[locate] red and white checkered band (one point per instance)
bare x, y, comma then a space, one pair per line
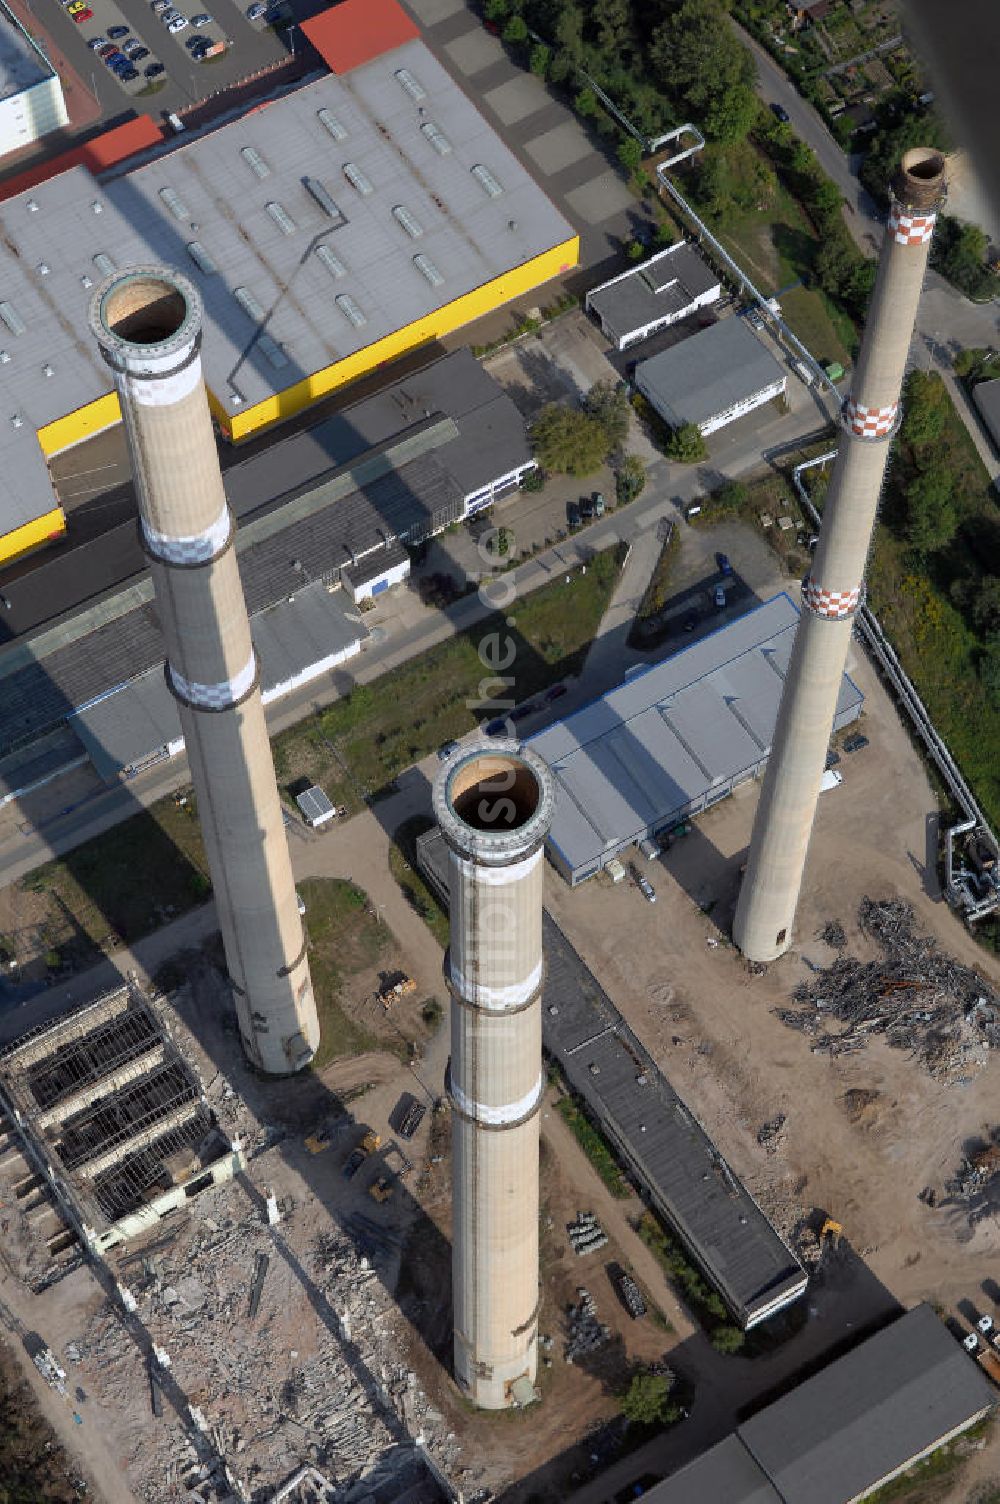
831, 603
910, 229
868, 422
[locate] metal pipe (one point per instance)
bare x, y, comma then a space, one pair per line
147, 322
832, 591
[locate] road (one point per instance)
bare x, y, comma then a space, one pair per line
946, 321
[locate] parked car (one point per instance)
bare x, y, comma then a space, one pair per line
724, 565
446, 750
118, 31
599, 504
80, 16
197, 44
496, 728
985, 1325
587, 508
971, 1343
522, 712
855, 743
177, 24
257, 11
555, 693
159, 6
153, 70
201, 19
780, 112
204, 49
572, 514
719, 597
106, 49
94, 42
128, 74
643, 884
136, 53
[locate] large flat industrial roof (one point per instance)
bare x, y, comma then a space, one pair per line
22, 64
665, 738
987, 398
321, 222
709, 373
725, 1474
851, 1425
661, 287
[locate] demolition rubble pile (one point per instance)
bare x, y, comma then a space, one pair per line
914, 997
585, 1332
976, 1186
284, 1353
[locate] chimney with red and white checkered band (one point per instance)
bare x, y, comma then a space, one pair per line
832, 590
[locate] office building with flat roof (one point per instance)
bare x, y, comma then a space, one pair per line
668, 287
712, 378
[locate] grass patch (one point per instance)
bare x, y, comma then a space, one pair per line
647, 628
94, 899
699, 1297
344, 938
404, 868
936, 1470
826, 332
358, 745
595, 1146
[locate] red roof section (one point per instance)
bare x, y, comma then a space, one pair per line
104, 151
355, 31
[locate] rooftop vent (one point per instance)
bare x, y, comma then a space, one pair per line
48, 370
4, 357
437, 138
255, 162
32, 206
174, 203
98, 208
86, 281
43, 268
272, 351
249, 304
425, 266
16, 421
333, 263
412, 85
487, 182
104, 263
325, 199
281, 217
11, 317
201, 258
357, 179
330, 122
409, 221
352, 313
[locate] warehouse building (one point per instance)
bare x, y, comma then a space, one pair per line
711, 379
668, 287
361, 216
671, 741
31, 96
849, 1430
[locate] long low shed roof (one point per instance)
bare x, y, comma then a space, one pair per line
663, 740
709, 373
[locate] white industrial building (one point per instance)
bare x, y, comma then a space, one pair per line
672, 740
987, 399
711, 379
31, 96
376, 573
669, 286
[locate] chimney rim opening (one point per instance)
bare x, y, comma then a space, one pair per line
146, 310
923, 163
494, 792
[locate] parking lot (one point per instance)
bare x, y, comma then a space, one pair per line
176, 51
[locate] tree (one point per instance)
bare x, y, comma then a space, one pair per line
646, 1401
567, 441
516, 30
923, 409
686, 444
630, 481
704, 67
731, 496
989, 667
888, 145
630, 154
612, 21
585, 103
609, 405
727, 1339
985, 599
931, 519
539, 60
958, 252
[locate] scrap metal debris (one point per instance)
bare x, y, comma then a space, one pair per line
586, 1234
586, 1331
769, 1133
915, 997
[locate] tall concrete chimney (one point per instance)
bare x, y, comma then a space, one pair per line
494, 805
831, 592
147, 322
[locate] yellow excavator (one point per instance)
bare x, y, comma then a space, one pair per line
830, 1233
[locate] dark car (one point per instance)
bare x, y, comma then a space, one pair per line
572, 514
128, 74
555, 693
354, 1164
723, 564
522, 712
587, 508
153, 70
136, 54
118, 31
496, 728
780, 113
446, 750
690, 621
855, 743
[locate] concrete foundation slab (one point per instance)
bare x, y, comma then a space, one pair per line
517, 99
559, 148
474, 52
430, 12
601, 198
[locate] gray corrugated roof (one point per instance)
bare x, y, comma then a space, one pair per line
469, 237
21, 64
726, 1474
709, 372
663, 739
376, 564
124, 728
987, 398
839, 1433
661, 287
